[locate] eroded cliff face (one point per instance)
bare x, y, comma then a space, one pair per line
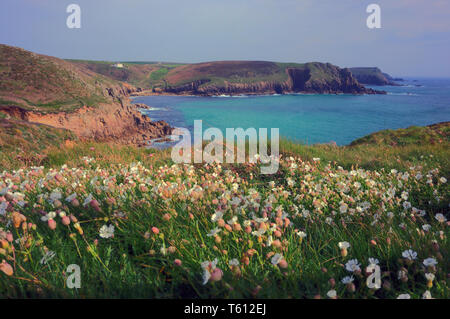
327, 79
118, 122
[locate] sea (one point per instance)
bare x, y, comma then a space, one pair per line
310, 118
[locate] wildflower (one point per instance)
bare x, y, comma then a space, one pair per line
51, 224
430, 277
409, 254
65, 220
276, 259
177, 262
426, 227
155, 230
216, 216
404, 296
440, 218
427, 295
214, 232
353, 265
107, 231
210, 271
88, 200
233, 262
343, 246
301, 234
332, 294
347, 280
6, 268
430, 262
443, 180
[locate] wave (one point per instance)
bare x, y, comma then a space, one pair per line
156, 109
402, 93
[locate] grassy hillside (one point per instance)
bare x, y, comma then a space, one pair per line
39, 82
415, 135
140, 74
26, 143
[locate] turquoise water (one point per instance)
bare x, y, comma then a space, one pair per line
312, 118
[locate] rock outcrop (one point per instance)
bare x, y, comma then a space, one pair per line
118, 122
373, 76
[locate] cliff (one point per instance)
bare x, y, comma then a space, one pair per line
259, 77
232, 77
47, 90
373, 76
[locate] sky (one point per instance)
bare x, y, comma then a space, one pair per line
414, 38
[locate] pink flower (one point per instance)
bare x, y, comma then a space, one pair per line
65, 220
177, 262
52, 224
155, 230
216, 274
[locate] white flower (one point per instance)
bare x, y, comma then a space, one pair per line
216, 216
316, 159
409, 254
301, 234
276, 259
343, 208
352, 265
443, 180
347, 280
426, 227
71, 197
233, 262
406, 205
404, 296
208, 267
214, 232
3, 207
50, 215
405, 195
332, 293
258, 232
88, 200
206, 276
430, 262
429, 276
427, 295
55, 195
440, 218
107, 231
343, 245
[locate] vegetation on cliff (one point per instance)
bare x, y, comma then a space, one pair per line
47, 84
